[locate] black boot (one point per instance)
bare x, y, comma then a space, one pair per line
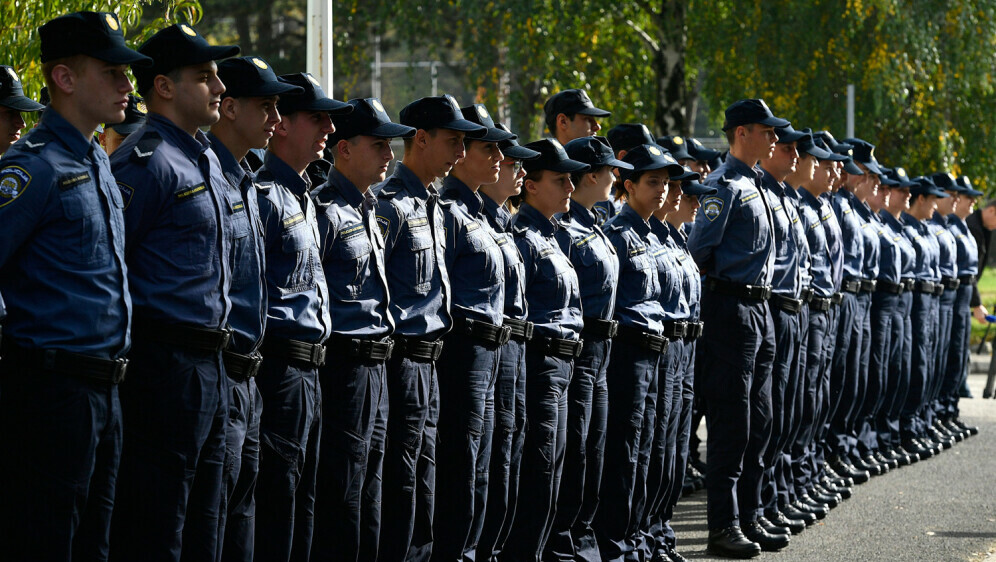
731, 543
770, 543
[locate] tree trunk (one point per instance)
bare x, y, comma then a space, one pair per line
670, 116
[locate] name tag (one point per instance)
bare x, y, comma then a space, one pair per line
71, 181
352, 231
293, 219
190, 192
418, 222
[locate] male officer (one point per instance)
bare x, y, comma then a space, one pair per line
411, 223
13, 102
733, 243
248, 116
114, 134
354, 408
297, 323
177, 218
570, 114
63, 272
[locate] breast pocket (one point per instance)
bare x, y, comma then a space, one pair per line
423, 257
486, 258
196, 234
242, 244
299, 251
352, 262
86, 241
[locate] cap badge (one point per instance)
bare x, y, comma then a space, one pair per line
950, 175
850, 152
653, 150
140, 107
259, 62
453, 102
188, 30
678, 140
377, 105
901, 172
482, 112
696, 143
312, 80
112, 22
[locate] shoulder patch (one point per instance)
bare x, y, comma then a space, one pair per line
712, 207
70, 181
385, 225
127, 192
13, 181
601, 214
145, 147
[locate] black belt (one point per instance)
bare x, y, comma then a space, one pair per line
93, 369
807, 294
563, 348
908, 283
723, 287
600, 328
850, 285
837, 298
868, 285
308, 355
419, 350
885, 286
928, 287
520, 329
950, 283
788, 304
675, 330
241, 368
378, 350
646, 340
694, 330
485, 331
966, 279
820, 304
191, 338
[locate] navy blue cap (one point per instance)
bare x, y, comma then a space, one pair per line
898, 178
787, 134
807, 145
439, 112
175, 47
746, 112
311, 97
923, 186
832, 144
686, 175
511, 149
697, 189
553, 157
945, 181
966, 185
252, 77
625, 136
134, 117
478, 114
595, 152
699, 151
676, 146
367, 118
95, 34
885, 179
571, 102
824, 153
12, 94
864, 152
651, 157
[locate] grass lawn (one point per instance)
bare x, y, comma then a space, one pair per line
987, 290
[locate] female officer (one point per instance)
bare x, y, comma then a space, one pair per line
554, 299
636, 352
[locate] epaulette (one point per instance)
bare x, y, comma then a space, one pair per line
146, 147
37, 140
519, 229
386, 191
264, 185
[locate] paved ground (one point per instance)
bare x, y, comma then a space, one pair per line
941, 509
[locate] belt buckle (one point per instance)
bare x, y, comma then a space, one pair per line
120, 368
437, 349
613, 328
318, 354
528, 330
504, 333
255, 360
226, 336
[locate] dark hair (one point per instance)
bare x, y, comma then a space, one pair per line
409, 141
577, 176
619, 187
991, 203
731, 133
551, 121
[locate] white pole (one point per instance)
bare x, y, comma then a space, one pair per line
850, 111
319, 53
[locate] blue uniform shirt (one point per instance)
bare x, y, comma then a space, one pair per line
671, 272
177, 223
62, 261
474, 261
295, 281
968, 249
605, 210
851, 237
515, 274
638, 297
948, 262
786, 277
890, 261
821, 258
692, 275
733, 239
352, 253
925, 244
907, 254
248, 290
552, 287
412, 226
594, 259
869, 233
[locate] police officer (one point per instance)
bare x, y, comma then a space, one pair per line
622, 138
702, 157
298, 323
354, 405
113, 134
489, 533
597, 266
178, 226
554, 298
13, 102
469, 361
733, 243
248, 116
65, 281
411, 223
570, 114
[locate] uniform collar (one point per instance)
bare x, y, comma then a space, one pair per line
497, 212
346, 188
67, 134
191, 146
641, 226
939, 219
805, 195
583, 216
410, 181
734, 164
232, 169
284, 175
531, 216
455, 189
892, 221
769, 181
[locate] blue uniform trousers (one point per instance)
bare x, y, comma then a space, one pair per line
882, 313
785, 410
844, 384
824, 398
958, 354
587, 413
238, 522
897, 378
923, 323
466, 371
499, 500
409, 465
175, 405
737, 352
351, 456
547, 381
290, 437
946, 303
814, 368
62, 446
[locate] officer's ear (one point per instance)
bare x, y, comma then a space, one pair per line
64, 75
164, 87
342, 149
621, 153
229, 108
421, 138
281, 129
628, 187
562, 121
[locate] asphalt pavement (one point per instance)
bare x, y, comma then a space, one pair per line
940, 509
